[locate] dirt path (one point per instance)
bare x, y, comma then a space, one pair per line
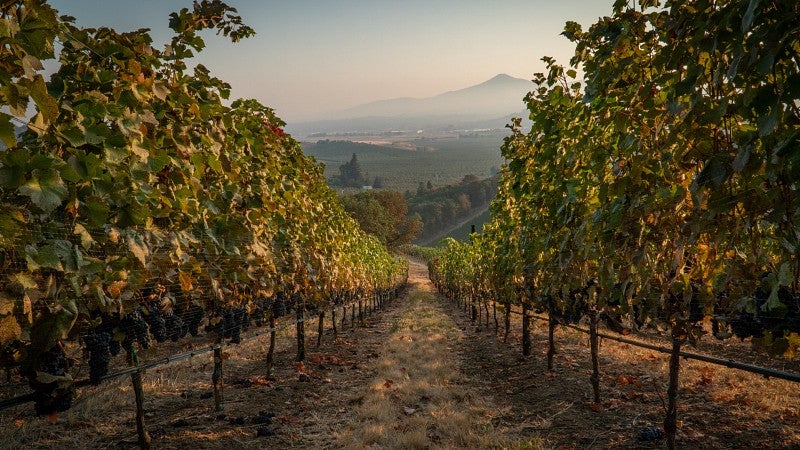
418, 396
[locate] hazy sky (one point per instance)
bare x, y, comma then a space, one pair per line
310, 57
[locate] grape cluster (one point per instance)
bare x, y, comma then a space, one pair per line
48, 396
259, 314
175, 327
279, 308
777, 321
574, 307
98, 345
192, 317
136, 330
650, 433
156, 323
230, 324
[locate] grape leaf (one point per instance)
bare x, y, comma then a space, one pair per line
45, 189
7, 133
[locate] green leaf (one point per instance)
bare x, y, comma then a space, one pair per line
742, 157
74, 135
70, 260
789, 145
44, 256
52, 326
767, 123
7, 132
96, 133
96, 210
16, 101
48, 106
714, 172
45, 188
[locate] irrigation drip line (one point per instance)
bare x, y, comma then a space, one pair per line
759, 370
26, 398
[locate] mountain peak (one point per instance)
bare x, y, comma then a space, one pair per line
502, 77
498, 97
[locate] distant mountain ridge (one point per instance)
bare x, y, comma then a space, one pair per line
486, 105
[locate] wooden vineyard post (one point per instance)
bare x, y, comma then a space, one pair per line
507, 305
333, 322
138, 392
494, 313
271, 350
320, 327
679, 333
486, 309
476, 303
551, 344
216, 378
474, 310
526, 329
353, 316
301, 334
593, 343
360, 311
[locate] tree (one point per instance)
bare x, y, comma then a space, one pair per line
384, 214
350, 173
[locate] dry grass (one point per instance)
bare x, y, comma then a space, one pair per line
418, 399
103, 416
718, 407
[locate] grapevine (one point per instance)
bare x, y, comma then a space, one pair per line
140, 196
660, 189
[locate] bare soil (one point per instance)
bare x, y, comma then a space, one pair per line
419, 374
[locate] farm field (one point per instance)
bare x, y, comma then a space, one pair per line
404, 161
420, 375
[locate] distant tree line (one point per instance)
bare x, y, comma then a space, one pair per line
384, 214
397, 219
440, 208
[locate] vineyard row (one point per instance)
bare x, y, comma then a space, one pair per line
359, 310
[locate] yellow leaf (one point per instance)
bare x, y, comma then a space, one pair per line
186, 281
9, 330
